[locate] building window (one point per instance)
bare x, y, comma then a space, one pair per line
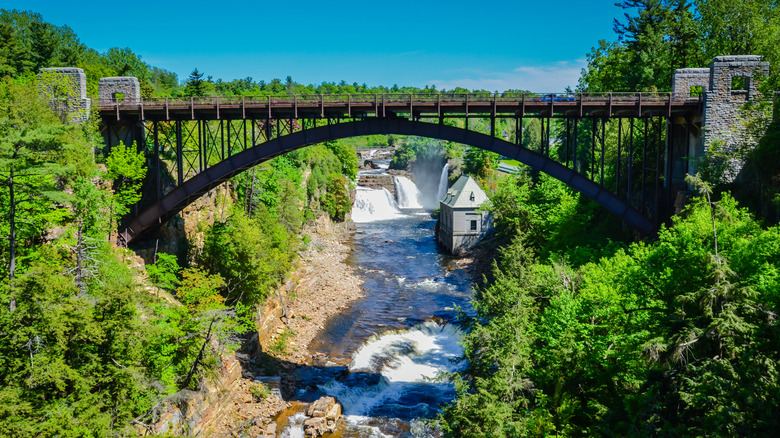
740, 83
473, 225
471, 198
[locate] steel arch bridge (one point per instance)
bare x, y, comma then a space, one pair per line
198, 143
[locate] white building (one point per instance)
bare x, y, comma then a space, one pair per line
460, 225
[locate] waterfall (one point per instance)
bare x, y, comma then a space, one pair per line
394, 374
445, 173
407, 193
374, 205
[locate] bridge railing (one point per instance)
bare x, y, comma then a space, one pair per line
401, 98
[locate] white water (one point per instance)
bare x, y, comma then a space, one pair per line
374, 205
408, 362
443, 180
295, 428
407, 193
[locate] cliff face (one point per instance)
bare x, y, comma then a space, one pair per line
321, 286
378, 182
183, 235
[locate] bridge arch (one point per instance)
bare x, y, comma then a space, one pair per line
201, 183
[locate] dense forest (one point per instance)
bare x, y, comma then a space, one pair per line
86, 349
579, 330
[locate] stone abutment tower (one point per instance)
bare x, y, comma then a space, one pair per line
723, 133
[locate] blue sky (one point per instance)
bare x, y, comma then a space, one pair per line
493, 45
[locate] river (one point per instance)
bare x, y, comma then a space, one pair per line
386, 354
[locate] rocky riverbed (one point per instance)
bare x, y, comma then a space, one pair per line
323, 285
326, 285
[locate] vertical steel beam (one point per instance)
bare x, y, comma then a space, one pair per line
199, 124
229, 146
593, 150
493, 115
548, 132
254, 135
669, 153
658, 174
603, 147
568, 139
179, 155
157, 166
575, 144
617, 164
630, 169
222, 138
644, 168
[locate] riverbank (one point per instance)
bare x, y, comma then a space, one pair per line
323, 285
326, 287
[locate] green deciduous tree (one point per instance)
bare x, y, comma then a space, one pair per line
126, 166
252, 255
33, 142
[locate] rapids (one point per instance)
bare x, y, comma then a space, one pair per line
389, 353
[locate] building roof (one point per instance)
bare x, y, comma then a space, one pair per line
465, 193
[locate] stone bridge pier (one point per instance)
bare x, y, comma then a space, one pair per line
723, 125
118, 91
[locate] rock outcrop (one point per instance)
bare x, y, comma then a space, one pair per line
378, 182
323, 415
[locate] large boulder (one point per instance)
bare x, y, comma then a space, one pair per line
323, 413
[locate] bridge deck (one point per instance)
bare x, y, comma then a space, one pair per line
428, 105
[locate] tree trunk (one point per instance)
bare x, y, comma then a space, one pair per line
80, 275
250, 195
200, 355
12, 240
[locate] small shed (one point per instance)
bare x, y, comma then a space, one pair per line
461, 226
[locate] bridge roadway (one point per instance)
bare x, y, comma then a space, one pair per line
418, 105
